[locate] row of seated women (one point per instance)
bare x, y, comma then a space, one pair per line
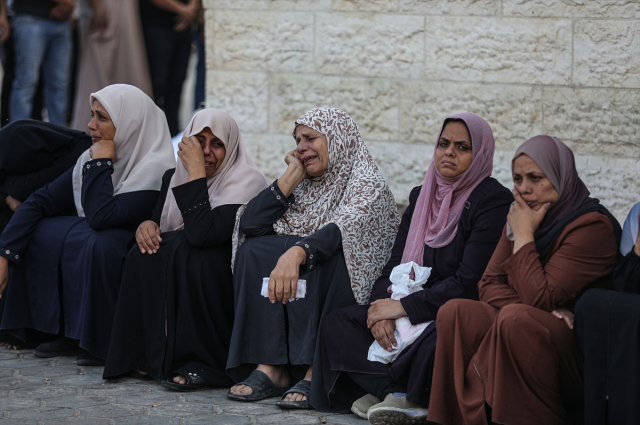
198, 273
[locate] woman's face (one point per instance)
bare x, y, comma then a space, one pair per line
101, 126
532, 183
313, 151
213, 149
453, 154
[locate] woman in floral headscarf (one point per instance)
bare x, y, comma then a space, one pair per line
330, 219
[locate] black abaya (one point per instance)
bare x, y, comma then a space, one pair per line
606, 326
186, 286
456, 270
277, 334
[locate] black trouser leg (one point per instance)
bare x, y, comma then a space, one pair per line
378, 385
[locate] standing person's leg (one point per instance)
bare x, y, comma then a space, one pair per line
56, 69
159, 54
177, 74
29, 39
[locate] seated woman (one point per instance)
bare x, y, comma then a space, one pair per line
453, 223
175, 310
507, 359
32, 154
330, 220
68, 241
607, 329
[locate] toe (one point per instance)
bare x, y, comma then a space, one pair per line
178, 379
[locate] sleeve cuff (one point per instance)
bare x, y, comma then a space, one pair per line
275, 190
12, 256
192, 196
311, 258
413, 309
97, 164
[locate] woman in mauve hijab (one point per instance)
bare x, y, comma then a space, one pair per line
68, 240
511, 358
453, 223
175, 312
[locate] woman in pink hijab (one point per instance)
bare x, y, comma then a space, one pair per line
452, 225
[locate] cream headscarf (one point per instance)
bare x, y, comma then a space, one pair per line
351, 194
142, 140
237, 180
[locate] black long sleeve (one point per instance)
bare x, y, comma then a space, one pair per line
203, 226
626, 277
102, 209
21, 186
269, 206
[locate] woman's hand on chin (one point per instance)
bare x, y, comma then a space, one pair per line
283, 281
524, 221
148, 237
192, 157
4, 274
104, 149
295, 174
383, 309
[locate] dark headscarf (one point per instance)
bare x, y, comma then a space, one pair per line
28, 146
556, 161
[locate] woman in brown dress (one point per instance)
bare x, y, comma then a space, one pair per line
510, 358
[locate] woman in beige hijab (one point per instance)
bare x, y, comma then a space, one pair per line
68, 241
175, 313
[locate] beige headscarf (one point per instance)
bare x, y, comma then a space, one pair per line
142, 140
237, 180
351, 194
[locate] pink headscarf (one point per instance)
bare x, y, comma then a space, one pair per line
441, 201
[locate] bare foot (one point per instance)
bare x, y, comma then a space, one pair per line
298, 396
179, 379
277, 374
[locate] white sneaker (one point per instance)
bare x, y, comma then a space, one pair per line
397, 411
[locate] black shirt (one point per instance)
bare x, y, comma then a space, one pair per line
38, 8
154, 16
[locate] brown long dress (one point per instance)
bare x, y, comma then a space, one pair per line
507, 351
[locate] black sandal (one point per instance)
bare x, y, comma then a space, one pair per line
302, 387
261, 385
195, 382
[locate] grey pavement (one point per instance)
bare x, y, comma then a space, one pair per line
56, 391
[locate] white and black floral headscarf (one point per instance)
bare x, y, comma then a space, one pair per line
352, 194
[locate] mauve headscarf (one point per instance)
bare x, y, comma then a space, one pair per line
556, 161
441, 200
237, 180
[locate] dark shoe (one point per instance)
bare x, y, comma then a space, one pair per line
85, 358
195, 382
62, 346
302, 387
261, 385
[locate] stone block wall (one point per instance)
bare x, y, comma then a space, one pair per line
568, 68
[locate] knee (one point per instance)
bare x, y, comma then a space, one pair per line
453, 310
511, 322
339, 321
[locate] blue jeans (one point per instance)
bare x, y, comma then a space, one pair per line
41, 44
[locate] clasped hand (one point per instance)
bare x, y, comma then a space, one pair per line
283, 281
148, 237
381, 319
104, 149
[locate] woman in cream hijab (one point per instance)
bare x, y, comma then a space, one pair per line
68, 240
175, 313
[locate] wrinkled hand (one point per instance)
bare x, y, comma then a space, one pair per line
292, 159
148, 237
524, 221
62, 10
187, 15
13, 203
5, 29
283, 281
104, 149
383, 333
4, 274
383, 309
100, 19
192, 157
564, 314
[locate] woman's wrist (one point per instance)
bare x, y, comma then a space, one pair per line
290, 179
300, 253
196, 174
